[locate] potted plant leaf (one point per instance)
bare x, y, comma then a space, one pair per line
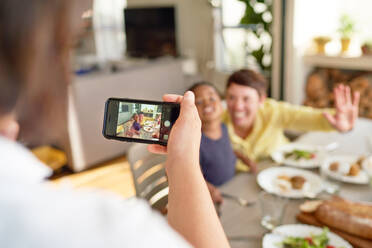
346, 30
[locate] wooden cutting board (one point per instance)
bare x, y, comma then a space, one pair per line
352, 239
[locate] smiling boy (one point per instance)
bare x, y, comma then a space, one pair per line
217, 158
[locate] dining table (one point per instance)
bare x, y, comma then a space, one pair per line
242, 224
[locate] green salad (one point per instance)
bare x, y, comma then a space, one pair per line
313, 241
298, 154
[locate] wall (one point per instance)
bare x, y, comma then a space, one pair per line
195, 33
307, 19
195, 28
124, 117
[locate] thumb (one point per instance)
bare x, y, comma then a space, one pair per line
330, 118
188, 107
188, 99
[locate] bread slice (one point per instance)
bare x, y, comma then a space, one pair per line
350, 217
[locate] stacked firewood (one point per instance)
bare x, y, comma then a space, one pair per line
320, 84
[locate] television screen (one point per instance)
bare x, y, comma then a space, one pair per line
150, 32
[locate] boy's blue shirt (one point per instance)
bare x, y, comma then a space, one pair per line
217, 158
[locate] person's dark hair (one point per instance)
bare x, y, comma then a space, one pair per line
248, 78
35, 39
203, 83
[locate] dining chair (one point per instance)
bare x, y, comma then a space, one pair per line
149, 177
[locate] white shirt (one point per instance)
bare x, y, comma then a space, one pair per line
35, 214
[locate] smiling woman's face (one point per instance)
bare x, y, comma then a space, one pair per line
242, 103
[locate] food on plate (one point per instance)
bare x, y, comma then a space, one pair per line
286, 182
148, 129
360, 160
347, 169
297, 182
354, 170
283, 182
310, 206
312, 241
334, 166
299, 154
284, 177
350, 217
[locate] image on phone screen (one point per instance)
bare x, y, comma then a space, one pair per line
140, 120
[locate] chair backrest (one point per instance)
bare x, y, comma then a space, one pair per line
149, 177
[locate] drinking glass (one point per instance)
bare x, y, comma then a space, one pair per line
330, 186
272, 209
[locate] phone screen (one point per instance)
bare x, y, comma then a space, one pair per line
139, 120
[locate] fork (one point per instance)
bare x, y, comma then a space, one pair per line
242, 202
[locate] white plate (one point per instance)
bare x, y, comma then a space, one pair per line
267, 179
367, 165
361, 178
271, 240
148, 129
278, 156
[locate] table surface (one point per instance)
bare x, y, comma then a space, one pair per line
242, 224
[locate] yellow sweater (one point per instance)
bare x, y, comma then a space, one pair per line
272, 119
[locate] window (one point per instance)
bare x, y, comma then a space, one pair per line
242, 35
108, 29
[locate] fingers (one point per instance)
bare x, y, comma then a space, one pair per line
253, 167
347, 95
157, 149
330, 118
343, 94
172, 98
338, 97
356, 98
217, 196
188, 100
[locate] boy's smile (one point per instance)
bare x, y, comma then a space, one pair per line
208, 103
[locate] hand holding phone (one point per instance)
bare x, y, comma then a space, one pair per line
184, 141
139, 120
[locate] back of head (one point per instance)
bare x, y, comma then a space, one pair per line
34, 57
248, 78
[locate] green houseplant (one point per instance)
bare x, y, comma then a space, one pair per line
346, 30
260, 18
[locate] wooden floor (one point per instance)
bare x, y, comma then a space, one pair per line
113, 176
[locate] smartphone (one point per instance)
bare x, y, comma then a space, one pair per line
140, 121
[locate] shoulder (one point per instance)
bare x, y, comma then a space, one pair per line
271, 104
18, 163
273, 107
86, 219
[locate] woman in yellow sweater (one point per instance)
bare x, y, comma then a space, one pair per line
256, 124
